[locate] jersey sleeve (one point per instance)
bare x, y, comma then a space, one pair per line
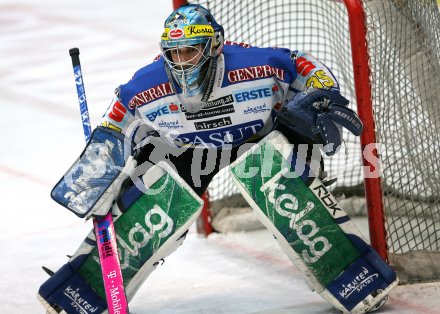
124, 120
312, 73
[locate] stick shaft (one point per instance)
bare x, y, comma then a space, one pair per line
80, 90
104, 228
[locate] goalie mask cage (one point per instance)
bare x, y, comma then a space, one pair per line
386, 57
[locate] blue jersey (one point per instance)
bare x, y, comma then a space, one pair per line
250, 86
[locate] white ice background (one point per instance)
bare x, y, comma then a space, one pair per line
41, 136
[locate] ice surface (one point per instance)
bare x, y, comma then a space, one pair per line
42, 137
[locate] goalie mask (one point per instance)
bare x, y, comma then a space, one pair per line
191, 42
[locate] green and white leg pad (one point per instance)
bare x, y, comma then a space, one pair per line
316, 234
150, 224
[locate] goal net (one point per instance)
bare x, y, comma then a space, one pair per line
403, 41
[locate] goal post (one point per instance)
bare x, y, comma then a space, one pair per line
386, 57
361, 70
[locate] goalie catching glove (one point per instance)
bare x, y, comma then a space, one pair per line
93, 182
318, 115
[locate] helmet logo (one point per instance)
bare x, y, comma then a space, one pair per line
190, 31
199, 30
178, 18
175, 33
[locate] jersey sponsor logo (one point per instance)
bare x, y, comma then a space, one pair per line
212, 108
256, 109
162, 110
174, 108
304, 66
255, 72
118, 112
214, 103
252, 94
170, 124
234, 134
219, 101
210, 112
213, 124
150, 94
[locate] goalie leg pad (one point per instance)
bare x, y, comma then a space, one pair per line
67, 290
362, 282
315, 233
152, 225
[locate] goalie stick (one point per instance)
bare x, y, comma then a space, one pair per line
103, 227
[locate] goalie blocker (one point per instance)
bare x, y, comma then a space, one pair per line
315, 233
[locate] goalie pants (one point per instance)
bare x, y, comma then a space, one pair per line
183, 158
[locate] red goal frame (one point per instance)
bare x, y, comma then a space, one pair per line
361, 70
